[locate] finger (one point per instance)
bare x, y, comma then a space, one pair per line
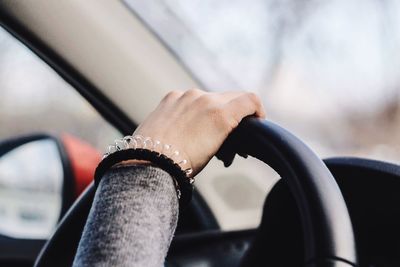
226, 157
226, 153
245, 105
244, 155
231, 95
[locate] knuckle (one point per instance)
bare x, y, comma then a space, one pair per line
255, 99
193, 92
174, 94
206, 101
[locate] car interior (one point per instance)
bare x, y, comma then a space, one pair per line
336, 211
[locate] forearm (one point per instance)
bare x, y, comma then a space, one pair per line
132, 220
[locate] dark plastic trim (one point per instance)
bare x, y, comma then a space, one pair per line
211, 248
204, 216
366, 164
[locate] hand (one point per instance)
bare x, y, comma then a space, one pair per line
196, 123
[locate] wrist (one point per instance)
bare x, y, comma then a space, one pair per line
140, 142
164, 147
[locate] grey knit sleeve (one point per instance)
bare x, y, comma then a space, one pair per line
132, 219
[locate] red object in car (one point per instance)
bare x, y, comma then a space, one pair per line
84, 159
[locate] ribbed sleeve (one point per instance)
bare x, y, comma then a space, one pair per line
132, 220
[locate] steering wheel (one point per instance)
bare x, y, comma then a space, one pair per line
326, 226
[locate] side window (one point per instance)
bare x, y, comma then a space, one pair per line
34, 98
39, 112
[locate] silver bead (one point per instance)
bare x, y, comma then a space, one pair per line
120, 144
182, 162
188, 171
147, 142
111, 149
139, 141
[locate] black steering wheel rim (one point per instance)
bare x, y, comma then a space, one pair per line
327, 229
326, 224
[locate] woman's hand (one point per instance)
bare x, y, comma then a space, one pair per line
196, 123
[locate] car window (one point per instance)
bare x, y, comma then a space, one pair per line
328, 71
35, 99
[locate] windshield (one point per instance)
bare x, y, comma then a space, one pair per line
329, 71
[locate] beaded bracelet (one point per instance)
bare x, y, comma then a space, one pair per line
144, 148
